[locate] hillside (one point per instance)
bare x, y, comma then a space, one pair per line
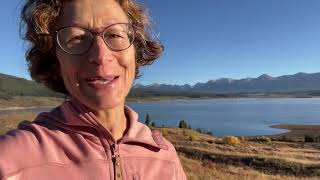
207, 157
297, 85
11, 86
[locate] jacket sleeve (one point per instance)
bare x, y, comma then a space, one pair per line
179, 172
180, 175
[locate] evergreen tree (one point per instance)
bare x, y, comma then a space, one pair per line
153, 124
199, 130
183, 124
148, 120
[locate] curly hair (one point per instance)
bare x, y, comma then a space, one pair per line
39, 17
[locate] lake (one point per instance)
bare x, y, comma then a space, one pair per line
239, 117
233, 116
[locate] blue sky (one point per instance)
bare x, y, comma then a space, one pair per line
209, 40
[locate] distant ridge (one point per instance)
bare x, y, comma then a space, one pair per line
14, 86
11, 86
264, 83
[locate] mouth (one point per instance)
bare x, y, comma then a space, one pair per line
101, 80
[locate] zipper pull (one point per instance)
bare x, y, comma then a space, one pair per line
116, 162
113, 151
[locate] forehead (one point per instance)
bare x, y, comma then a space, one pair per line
93, 14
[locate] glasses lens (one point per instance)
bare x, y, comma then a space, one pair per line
74, 40
118, 36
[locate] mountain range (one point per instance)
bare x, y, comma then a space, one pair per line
264, 83
11, 86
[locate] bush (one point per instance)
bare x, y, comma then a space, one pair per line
184, 133
153, 124
264, 139
192, 138
285, 138
310, 138
164, 132
232, 140
242, 138
199, 130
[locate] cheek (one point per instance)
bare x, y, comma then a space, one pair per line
67, 69
128, 61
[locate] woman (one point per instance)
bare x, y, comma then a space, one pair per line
90, 50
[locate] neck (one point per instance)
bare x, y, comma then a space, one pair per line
114, 120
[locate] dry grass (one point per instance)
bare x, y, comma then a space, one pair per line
201, 170
11, 121
26, 101
209, 157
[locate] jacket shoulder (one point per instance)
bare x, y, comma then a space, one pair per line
164, 143
170, 154
20, 148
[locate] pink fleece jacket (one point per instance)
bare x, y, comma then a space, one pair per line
69, 143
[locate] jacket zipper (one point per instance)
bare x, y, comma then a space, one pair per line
116, 162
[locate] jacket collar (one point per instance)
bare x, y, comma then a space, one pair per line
76, 114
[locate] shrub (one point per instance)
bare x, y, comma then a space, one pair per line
242, 138
310, 138
164, 132
153, 124
199, 130
192, 138
266, 140
284, 138
184, 133
232, 140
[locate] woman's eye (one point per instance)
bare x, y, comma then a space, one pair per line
76, 39
114, 36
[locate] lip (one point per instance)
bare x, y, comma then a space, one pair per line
108, 77
114, 79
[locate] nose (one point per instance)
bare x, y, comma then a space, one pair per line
99, 52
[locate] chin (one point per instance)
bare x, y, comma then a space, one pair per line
101, 103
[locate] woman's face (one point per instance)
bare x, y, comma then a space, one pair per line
100, 78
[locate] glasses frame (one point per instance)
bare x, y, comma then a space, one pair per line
93, 34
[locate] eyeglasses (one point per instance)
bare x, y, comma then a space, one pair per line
78, 40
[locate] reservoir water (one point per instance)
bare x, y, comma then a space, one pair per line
233, 116
228, 116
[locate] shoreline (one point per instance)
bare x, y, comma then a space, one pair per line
29, 104
296, 132
24, 108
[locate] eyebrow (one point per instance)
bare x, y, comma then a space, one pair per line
87, 26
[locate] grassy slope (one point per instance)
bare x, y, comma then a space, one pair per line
13, 86
207, 157
30, 101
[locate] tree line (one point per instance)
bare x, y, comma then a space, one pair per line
183, 124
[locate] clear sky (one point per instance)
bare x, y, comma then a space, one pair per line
209, 39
